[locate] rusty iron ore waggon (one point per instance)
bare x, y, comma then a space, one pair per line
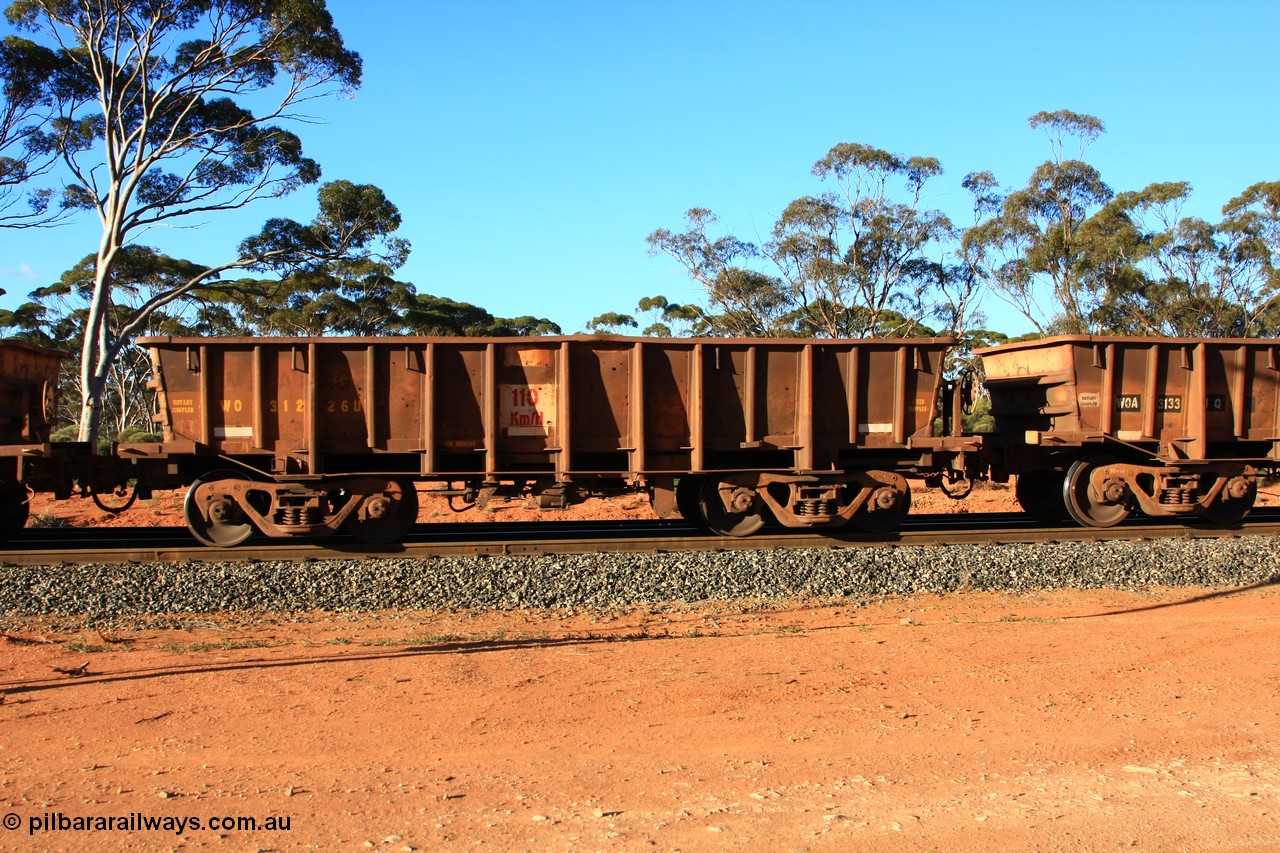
28, 400
301, 437
1103, 426
306, 436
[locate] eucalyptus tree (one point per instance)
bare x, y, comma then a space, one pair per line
439, 315
1186, 277
959, 281
856, 259
526, 325
859, 259
56, 316
1166, 267
349, 297
744, 301
1250, 260
153, 125
612, 321
28, 72
664, 319
1036, 251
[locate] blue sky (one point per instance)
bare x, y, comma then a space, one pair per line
531, 147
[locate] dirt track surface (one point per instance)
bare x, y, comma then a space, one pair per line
1062, 721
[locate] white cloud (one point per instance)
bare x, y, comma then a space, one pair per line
24, 271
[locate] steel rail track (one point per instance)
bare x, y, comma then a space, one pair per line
174, 545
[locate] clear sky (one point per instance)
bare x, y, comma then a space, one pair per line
531, 147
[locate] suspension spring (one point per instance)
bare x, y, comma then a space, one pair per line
1185, 496
297, 516
816, 508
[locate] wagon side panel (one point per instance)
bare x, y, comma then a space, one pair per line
530, 428
669, 407
458, 420
601, 388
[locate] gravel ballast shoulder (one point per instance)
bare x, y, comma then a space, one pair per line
607, 581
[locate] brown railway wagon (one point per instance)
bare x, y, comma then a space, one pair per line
28, 394
1169, 426
310, 435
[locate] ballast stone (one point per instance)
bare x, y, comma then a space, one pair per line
605, 581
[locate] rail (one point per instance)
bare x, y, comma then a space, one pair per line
36, 547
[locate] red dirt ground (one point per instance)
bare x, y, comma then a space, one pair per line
1077, 721
1063, 721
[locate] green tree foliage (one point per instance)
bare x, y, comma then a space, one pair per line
1036, 250
152, 121
744, 302
865, 258
1182, 276
1250, 239
667, 319
56, 317
661, 317
612, 321
27, 75
437, 315
1075, 257
869, 257
855, 259
358, 297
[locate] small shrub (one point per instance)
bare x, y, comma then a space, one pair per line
134, 434
48, 519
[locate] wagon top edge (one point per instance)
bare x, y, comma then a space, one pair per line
546, 340
1137, 340
14, 343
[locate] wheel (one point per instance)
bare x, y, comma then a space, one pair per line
385, 514
1233, 503
1085, 504
1039, 493
213, 516
888, 506
15, 509
746, 516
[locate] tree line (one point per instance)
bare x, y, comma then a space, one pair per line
869, 257
164, 113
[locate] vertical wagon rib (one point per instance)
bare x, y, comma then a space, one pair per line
428, 401
370, 394
900, 397
1149, 392
489, 412
315, 459
697, 462
804, 411
564, 413
636, 410
206, 402
259, 398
